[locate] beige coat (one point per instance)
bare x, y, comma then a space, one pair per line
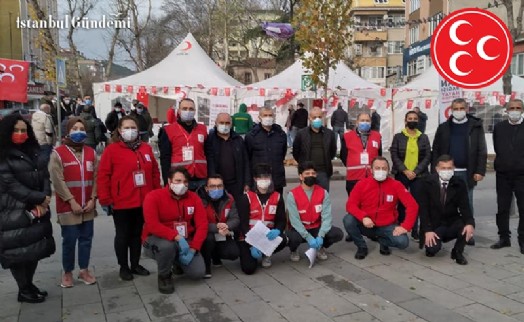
43, 127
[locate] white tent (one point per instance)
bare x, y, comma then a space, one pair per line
186, 71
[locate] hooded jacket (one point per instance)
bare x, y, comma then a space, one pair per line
242, 121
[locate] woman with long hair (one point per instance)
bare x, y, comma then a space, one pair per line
26, 234
128, 170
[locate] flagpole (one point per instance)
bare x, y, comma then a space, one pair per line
58, 108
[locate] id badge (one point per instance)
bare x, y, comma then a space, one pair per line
89, 166
181, 228
139, 178
364, 158
219, 237
187, 153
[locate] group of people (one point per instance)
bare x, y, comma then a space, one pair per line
218, 185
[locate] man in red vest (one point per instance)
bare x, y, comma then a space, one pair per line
182, 144
309, 209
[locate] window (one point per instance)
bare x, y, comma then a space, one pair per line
376, 21
413, 34
375, 50
395, 21
267, 75
517, 64
392, 70
247, 78
381, 1
433, 22
395, 47
414, 5
373, 72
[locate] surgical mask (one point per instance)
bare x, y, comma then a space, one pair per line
412, 125
459, 115
310, 181
19, 138
78, 136
139, 110
380, 175
67, 101
118, 109
263, 183
216, 194
223, 128
316, 123
445, 175
187, 116
87, 102
267, 121
178, 188
364, 126
129, 135
514, 116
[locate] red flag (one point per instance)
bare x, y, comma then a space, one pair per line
165, 90
249, 88
107, 88
227, 91
495, 93
382, 92
214, 91
142, 89
481, 100
410, 104
118, 88
513, 95
143, 97
130, 88
502, 99
177, 90
370, 103
428, 104
478, 94
261, 92
389, 103
334, 101
289, 92
395, 90
14, 75
352, 102
153, 89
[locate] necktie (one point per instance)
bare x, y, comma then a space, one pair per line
443, 192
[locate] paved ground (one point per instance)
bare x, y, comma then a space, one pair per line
405, 286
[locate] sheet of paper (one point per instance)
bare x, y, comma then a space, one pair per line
257, 237
311, 255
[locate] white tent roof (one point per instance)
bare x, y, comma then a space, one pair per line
186, 65
291, 78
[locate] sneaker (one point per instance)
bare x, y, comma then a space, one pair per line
86, 277
125, 274
321, 254
166, 284
67, 280
207, 275
266, 262
217, 262
294, 257
140, 270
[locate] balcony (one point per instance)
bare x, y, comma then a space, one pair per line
371, 61
370, 35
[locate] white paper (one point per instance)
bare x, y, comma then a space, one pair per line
311, 255
256, 237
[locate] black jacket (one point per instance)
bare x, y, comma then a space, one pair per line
302, 147
112, 120
375, 121
477, 149
232, 219
340, 118
398, 153
299, 118
422, 120
242, 169
24, 183
431, 211
508, 141
268, 147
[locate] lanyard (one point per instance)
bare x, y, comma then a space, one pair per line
183, 131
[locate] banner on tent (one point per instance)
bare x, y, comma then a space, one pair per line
448, 93
218, 104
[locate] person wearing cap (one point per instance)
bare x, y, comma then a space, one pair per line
114, 116
242, 121
73, 169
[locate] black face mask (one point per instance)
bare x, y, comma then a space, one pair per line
412, 125
310, 181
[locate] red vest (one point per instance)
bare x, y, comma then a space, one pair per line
265, 213
78, 176
213, 217
309, 210
179, 138
356, 170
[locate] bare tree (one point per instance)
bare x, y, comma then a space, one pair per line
122, 12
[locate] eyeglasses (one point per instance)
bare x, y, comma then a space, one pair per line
214, 187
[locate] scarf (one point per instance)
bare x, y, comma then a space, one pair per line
133, 145
411, 159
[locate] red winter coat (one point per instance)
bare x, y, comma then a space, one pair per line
378, 201
115, 175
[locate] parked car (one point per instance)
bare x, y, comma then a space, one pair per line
26, 114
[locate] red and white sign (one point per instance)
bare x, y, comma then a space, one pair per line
389, 103
352, 102
410, 104
428, 104
14, 75
471, 48
382, 92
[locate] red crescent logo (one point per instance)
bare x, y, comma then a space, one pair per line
188, 45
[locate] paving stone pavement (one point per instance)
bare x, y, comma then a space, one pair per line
405, 286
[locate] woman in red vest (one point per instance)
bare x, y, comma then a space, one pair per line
73, 171
128, 171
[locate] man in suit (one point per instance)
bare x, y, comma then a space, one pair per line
445, 212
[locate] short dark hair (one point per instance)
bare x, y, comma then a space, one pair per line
444, 158
300, 104
179, 169
379, 158
118, 104
261, 169
306, 165
410, 112
459, 100
214, 176
186, 99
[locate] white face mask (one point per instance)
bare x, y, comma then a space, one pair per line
514, 116
445, 175
118, 109
223, 128
178, 188
129, 135
187, 116
267, 121
263, 183
459, 115
380, 175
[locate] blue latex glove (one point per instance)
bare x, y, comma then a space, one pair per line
312, 242
183, 246
186, 258
272, 234
320, 241
255, 253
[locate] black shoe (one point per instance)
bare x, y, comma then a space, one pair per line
30, 297
503, 242
349, 239
177, 270
125, 274
166, 284
140, 270
38, 291
458, 257
384, 250
374, 238
430, 254
521, 247
217, 262
415, 235
361, 253
471, 242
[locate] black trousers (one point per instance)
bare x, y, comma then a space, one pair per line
446, 234
248, 264
23, 274
128, 231
334, 235
235, 189
350, 185
506, 186
414, 188
211, 249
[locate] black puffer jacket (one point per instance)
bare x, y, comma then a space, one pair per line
24, 183
268, 147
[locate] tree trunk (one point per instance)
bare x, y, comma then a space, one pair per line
111, 55
506, 79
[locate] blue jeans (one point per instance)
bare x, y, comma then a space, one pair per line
323, 180
384, 234
339, 133
70, 234
293, 134
464, 176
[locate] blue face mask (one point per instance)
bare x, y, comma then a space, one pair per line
316, 123
78, 136
216, 194
364, 126
87, 102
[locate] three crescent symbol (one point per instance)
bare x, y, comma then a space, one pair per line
453, 32
480, 48
19, 66
453, 63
